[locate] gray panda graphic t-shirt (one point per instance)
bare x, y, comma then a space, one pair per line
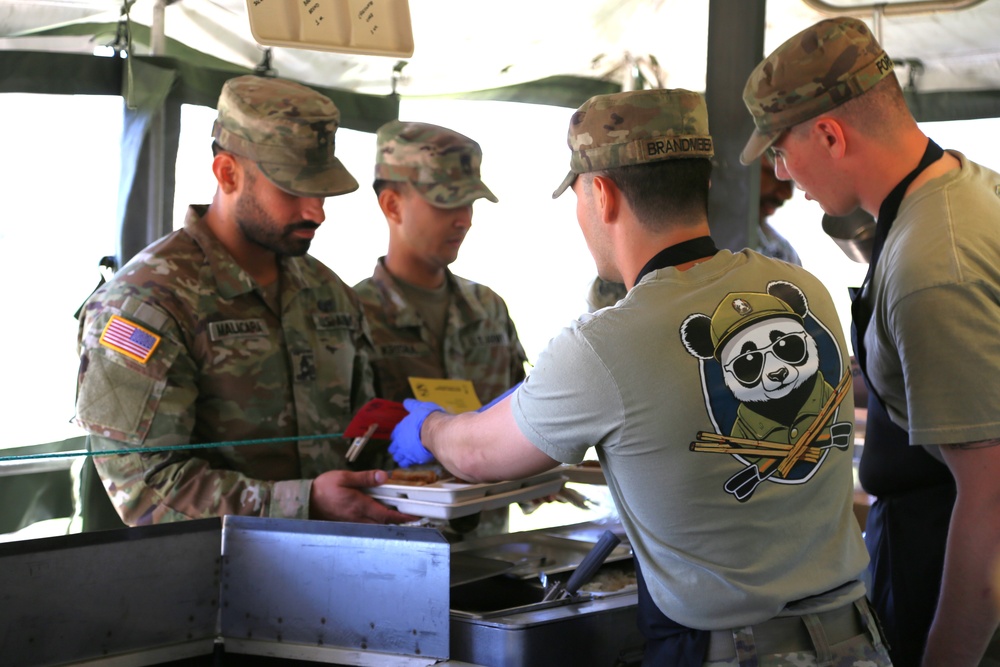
719, 402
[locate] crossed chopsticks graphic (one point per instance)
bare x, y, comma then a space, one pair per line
784, 456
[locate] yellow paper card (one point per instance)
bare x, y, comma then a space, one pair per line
453, 395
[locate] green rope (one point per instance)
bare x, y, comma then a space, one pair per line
169, 448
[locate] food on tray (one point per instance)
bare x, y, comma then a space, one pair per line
446, 499
608, 582
413, 477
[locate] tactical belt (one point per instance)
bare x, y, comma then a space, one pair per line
789, 634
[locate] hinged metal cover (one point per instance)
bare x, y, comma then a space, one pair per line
64, 600
335, 585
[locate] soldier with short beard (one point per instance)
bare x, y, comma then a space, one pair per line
226, 331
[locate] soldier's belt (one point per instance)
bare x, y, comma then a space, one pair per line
788, 634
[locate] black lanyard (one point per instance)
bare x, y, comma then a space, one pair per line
679, 253
861, 313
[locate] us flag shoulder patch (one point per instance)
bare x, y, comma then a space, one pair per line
129, 338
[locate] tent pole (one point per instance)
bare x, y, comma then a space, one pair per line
735, 46
156, 226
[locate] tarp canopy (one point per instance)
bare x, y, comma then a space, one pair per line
552, 52
556, 52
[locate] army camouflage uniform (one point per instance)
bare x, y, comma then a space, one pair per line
181, 347
480, 342
226, 368
861, 651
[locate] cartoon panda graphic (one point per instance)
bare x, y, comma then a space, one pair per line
764, 361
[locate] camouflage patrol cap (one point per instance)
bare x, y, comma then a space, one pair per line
813, 72
636, 127
739, 309
441, 164
288, 130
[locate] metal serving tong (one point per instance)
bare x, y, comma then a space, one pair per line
586, 570
359, 443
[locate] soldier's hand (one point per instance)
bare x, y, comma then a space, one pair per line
337, 496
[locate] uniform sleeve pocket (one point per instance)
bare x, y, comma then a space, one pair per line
115, 399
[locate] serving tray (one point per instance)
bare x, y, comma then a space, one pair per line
583, 474
450, 490
449, 505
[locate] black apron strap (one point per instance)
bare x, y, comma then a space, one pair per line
861, 311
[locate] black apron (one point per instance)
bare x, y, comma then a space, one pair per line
669, 642
907, 526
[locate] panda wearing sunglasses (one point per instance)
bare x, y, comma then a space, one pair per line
777, 412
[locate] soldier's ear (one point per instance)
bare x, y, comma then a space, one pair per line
831, 136
228, 172
607, 196
390, 201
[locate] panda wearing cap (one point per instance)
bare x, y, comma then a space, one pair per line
764, 362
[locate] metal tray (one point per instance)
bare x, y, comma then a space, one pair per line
451, 491
532, 553
452, 510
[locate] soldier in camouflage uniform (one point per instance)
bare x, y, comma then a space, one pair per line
425, 320
828, 106
226, 330
739, 561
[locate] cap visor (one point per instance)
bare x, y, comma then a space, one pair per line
568, 181
756, 146
455, 194
310, 181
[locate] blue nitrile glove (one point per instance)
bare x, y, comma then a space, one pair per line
406, 447
499, 398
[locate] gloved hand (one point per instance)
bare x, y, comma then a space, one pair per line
406, 447
499, 398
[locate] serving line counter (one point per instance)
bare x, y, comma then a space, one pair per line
223, 592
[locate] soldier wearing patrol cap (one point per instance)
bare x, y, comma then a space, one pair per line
828, 107
226, 331
746, 549
773, 195
425, 320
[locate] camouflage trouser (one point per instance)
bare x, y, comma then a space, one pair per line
863, 650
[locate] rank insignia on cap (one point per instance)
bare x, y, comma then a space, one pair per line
742, 306
129, 338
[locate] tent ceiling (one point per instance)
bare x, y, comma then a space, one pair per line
463, 46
